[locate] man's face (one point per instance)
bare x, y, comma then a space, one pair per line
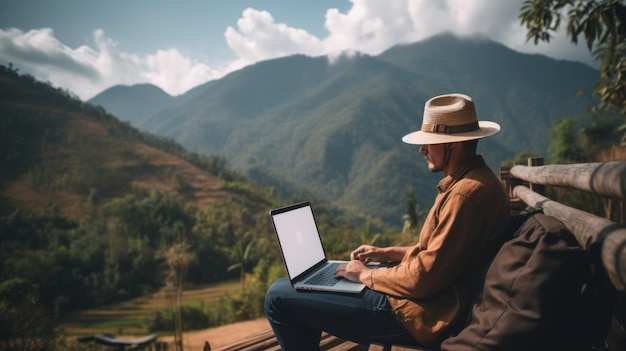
435, 156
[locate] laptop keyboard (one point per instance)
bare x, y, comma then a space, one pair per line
326, 277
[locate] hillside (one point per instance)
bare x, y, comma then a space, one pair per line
61, 152
91, 208
332, 130
93, 212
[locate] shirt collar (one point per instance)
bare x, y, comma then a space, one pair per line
465, 167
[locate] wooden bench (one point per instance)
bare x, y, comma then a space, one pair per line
265, 341
526, 185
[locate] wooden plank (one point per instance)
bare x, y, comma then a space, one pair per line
350, 346
589, 230
329, 341
333, 343
259, 341
602, 178
266, 341
378, 347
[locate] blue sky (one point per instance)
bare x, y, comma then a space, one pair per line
87, 46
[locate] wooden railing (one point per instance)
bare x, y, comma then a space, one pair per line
607, 180
603, 238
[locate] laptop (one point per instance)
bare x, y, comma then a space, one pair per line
304, 256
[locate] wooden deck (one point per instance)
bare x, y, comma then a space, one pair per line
265, 341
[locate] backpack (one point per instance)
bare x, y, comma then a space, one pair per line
542, 291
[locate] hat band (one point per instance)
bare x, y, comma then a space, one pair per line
440, 128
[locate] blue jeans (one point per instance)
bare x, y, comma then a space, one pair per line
299, 317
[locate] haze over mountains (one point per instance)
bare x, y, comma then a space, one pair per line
333, 130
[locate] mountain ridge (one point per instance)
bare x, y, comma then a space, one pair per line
336, 128
128, 102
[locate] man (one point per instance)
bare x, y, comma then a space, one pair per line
428, 294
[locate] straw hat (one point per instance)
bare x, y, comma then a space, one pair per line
450, 118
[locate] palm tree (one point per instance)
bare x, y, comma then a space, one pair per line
241, 254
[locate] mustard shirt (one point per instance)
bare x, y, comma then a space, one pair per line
432, 287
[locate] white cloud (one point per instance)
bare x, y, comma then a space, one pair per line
41, 50
87, 71
258, 38
483, 16
369, 26
372, 26
176, 73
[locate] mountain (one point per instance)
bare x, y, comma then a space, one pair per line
130, 102
524, 93
335, 128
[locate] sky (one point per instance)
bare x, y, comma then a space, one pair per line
87, 46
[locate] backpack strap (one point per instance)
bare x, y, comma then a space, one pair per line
519, 219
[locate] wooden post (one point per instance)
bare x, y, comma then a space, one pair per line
509, 183
505, 178
536, 162
622, 206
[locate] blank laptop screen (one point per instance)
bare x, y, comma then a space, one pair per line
299, 239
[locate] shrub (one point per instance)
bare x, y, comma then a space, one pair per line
193, 316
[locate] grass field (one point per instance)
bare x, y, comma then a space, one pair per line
126, 318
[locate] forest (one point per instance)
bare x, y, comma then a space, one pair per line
92, 228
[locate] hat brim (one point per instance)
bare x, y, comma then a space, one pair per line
485, 129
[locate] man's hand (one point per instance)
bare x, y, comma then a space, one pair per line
352, 271
366, 254
369, 253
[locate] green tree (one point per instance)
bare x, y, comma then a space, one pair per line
178, 258
241, 253
521, 158
411, 225
602, 23
366, 236
565, 147
24, 322
411, 220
